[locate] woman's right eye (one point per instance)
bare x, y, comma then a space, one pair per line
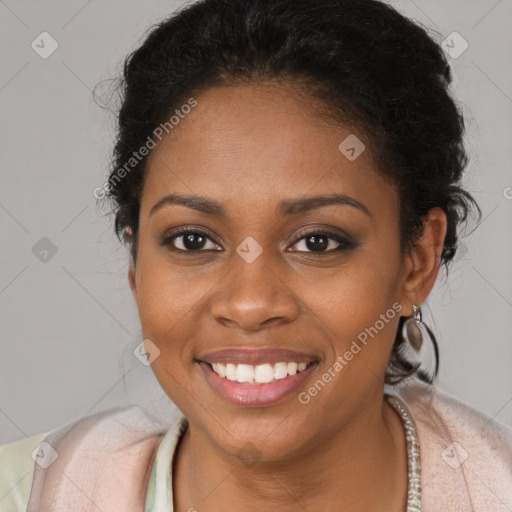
190, 241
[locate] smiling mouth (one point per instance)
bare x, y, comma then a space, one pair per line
258, 374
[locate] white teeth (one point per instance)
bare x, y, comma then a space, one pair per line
259, 374
231, 371
280, 371
263, 373
245, 373
291, 368
221, 369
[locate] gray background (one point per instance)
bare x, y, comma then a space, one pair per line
69, 325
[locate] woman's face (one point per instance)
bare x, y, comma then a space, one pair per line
273, 277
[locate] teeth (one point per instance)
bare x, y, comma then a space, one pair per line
280, 371
260, 374
245, 373
291, 368
221, 369
263, 373
231, 371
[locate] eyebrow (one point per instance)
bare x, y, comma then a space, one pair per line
201, 204
295, 206
286, 207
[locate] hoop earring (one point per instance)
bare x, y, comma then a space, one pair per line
411, 331
412, 334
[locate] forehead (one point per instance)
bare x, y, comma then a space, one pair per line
258, 144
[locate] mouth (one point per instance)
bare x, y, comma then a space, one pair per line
256, 378
260, 374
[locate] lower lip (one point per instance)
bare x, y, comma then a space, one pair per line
254, 395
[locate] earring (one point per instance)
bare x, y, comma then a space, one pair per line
411, 331
413, 350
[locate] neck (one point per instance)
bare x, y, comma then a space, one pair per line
357, 468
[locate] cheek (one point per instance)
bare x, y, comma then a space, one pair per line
164, 293
358, 305
167, 304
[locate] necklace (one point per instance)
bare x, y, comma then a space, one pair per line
413, 454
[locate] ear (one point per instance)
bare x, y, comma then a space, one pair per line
131, 279
423, 260
128, 238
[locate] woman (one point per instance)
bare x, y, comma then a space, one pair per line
287, 177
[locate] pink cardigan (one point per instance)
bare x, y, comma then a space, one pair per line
105, 460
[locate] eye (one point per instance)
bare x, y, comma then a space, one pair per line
322, 242
190, 240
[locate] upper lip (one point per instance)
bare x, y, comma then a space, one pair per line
256, 356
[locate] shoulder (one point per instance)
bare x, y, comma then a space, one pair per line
466, 455
119, 440
17, 471
457, 418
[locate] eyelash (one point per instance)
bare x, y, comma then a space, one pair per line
344, 243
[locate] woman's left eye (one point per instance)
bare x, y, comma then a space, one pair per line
322, 242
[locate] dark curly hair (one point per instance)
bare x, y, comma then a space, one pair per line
371, 68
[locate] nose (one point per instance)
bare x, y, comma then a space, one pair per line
252, 297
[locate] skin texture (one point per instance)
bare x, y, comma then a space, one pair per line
250, 147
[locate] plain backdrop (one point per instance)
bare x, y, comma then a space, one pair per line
67, 317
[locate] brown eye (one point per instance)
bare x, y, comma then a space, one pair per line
190, 241
194, 241
322, 242
317, 242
